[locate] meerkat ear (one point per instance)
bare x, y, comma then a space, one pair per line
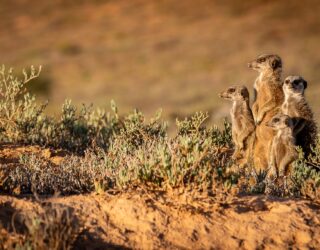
244, 93
276, 63
287, 122
305, 84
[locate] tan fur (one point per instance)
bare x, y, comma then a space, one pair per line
268, 99
243, 126
282, 148
296, 106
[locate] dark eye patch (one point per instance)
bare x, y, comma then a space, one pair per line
231, 90
276, 120
287, 81
296, 82
260, 60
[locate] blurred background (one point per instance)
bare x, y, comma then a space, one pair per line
151, 54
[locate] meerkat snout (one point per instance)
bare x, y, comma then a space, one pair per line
294, 84
235, 93
266, 62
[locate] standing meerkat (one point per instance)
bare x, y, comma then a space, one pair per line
243, 126
268, 93
296, 106
268, 98
282, 148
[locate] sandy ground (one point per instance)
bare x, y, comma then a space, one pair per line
157, 220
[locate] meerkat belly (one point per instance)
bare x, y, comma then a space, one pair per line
285, 108
290, 109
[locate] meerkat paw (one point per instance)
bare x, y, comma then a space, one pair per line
236, 155
258, 121
272, 174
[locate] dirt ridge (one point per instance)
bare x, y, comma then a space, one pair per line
160, 220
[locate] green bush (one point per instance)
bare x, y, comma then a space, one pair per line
23, 120
306, 174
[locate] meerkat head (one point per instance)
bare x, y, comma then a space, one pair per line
280, 121
266, 63
235, 93
294, 85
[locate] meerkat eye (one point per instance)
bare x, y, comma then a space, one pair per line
276, 120
261, 60
296, 82
232, 90
287, 81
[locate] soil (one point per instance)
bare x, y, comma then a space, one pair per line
163, 220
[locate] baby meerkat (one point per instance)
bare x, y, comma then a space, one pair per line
267, 103
243, 126
296, 106
282, 149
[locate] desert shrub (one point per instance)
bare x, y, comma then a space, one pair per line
55, 228
35, 174
141, 153
76, 131
23, 121
305, 179
19, 112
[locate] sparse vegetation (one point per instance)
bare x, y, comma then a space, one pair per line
107, 151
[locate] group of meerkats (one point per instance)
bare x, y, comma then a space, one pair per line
266, 135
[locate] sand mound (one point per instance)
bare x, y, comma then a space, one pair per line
158, 220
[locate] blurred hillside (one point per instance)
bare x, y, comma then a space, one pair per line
176, 55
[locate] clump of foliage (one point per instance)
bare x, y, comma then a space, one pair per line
193, 157
22, 120
37, 174
306, 174
19, 114
141, 153
53, 227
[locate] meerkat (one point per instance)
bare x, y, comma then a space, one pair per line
296, 106
243, 126
268, 93
282, 148
268, 98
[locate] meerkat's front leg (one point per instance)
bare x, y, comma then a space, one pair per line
285, 163
255, 110
263, 111
237, 151
272, 170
